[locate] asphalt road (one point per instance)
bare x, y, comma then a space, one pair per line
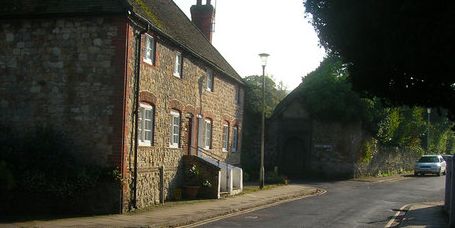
346, 204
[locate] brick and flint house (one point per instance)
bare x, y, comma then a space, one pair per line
94, 68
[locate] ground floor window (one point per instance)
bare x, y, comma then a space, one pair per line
145, 124
175, 129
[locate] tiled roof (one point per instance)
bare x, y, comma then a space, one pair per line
46, 7
164, 16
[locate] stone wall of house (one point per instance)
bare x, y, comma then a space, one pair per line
65, 73
187, 95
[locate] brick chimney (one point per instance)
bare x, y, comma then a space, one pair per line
202, 17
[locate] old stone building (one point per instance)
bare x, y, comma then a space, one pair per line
135, 83
302, 146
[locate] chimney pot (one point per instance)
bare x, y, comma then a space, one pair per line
209, 2
199, 2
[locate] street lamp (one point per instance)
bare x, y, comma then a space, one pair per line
428, 129
261, 171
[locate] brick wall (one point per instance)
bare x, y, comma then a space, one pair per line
167, 92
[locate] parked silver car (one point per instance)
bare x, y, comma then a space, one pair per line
433, 164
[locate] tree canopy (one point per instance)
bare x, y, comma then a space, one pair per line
398, 50
326, 94
252, 118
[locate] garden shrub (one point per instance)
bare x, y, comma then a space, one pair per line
43, 174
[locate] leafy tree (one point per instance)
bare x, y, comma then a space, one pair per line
327, 95
400, 50
442, 137
252, 117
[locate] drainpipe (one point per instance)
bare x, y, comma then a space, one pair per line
137, 64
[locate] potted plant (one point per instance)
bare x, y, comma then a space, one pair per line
205, 191
192, 182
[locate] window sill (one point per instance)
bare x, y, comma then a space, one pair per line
177, 75
145, 144
148, 61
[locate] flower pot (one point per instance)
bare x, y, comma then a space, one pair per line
190, 192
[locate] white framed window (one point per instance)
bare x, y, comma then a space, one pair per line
178, 65
150, 49
145, 125
225, 136
208, 134
210, 80
175, 129
235, 139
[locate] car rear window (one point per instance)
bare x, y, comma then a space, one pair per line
429, 159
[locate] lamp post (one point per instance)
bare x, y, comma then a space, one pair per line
261, 171
428, 129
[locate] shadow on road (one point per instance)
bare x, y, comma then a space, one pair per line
425, 216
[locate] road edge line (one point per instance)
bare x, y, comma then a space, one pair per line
319, 192
398, 217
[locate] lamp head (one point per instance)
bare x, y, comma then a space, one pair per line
264, 58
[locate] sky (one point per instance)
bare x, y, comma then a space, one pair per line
245, 28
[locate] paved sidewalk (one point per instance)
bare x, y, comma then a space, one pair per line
428, 214
186, 213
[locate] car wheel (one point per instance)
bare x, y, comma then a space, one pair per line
416, 174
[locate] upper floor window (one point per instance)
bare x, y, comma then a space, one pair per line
209, 80
175, 129
150, 49
178, 65
225, 136
235, 139
145, 125
208, 134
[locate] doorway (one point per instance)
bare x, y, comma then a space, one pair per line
293, 157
